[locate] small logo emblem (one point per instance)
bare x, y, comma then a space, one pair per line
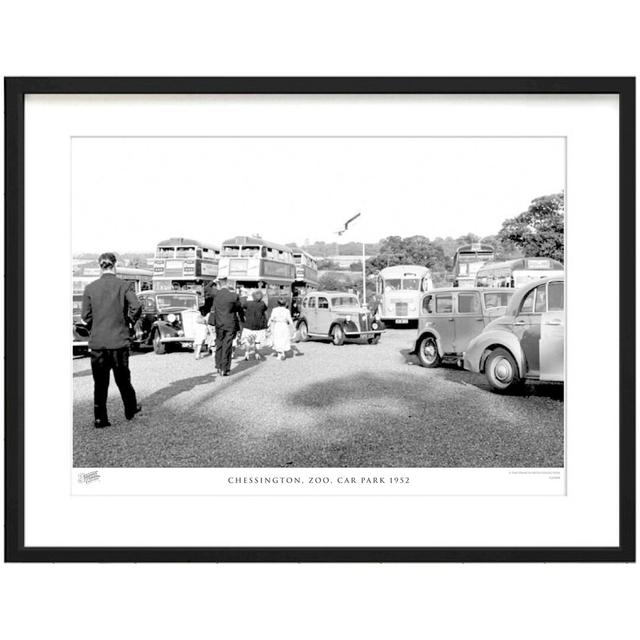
90, 476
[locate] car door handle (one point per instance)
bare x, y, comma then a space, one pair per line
479, 319
554, 323
450, 319
519, 323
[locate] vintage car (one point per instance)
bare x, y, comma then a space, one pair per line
451, 317
168, 318
80, 330
337, 315
527, 342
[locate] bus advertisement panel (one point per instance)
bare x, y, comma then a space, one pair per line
399, 289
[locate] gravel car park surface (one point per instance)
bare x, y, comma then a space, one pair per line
357, 405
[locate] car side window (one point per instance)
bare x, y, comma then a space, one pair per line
444, 304
427, 304
149, 304
312, 303
527, 303
541, 299
556, 296
468, 303
323, 303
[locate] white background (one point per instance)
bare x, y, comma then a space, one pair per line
372, 38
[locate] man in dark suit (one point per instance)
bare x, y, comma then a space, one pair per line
226, 308
108, 306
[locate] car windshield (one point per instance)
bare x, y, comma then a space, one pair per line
497, 299
345, 301
184, 300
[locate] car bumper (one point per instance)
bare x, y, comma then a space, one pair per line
176, 339
80, 343
362, 334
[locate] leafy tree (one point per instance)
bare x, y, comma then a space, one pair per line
467, 238
332, 282
539, 231
328, 265
412, 250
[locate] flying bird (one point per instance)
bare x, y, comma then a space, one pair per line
346, 224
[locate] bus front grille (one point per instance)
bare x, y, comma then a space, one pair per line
402, 308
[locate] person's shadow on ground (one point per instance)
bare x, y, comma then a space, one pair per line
176, 388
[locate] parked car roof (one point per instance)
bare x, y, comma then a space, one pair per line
522, 291
467, 289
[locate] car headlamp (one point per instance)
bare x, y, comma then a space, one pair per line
374, 325
171, 317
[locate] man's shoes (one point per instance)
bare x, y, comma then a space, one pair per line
138, 410
224, 373
101, 424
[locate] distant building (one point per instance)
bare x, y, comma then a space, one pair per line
346, 261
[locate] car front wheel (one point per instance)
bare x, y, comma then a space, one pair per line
158, 346
428, 352
337, 335
501, 370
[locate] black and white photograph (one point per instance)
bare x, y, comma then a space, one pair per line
318, 301
354, 313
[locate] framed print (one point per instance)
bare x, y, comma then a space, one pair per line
320, 319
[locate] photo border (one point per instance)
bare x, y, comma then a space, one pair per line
15, 91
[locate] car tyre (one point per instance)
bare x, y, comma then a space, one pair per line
501, 371
304, 331
374, 340
158, 346
428, 352
337, 335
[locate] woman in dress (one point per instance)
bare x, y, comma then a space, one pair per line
281, 326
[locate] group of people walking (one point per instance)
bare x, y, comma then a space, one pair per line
110, 306
248, 321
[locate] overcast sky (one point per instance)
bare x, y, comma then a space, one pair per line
129, 193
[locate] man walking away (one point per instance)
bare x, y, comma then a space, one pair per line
108, 305
226, 308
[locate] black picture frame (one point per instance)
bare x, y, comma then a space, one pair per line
15, 91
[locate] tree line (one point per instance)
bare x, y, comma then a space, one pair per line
538, 231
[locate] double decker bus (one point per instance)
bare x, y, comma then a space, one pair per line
400, 289
184, 264
306, 278
251, 263
515, 273
141, 279
468, 259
